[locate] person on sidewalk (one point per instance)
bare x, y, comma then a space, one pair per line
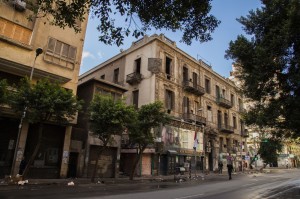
220, 166
229, 165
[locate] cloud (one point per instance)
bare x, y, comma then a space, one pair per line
100, 55
85, 55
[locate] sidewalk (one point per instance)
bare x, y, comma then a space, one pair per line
198, 177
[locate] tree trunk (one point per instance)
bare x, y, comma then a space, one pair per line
37, 147
135, 163
96, 164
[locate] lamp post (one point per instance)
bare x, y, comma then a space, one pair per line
38, 51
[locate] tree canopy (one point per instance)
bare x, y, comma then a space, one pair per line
141, 134
43, 102
191, 17
269, 149
267, 64
108, 117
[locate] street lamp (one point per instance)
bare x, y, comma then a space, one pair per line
38, 51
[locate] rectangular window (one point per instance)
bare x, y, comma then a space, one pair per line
223, 93
207, 86
232, 99
168, 67
209, 114
170, 100
234, 122
217, 92
225, 119
116, 76
138, 65
186, 105
15, 32
102, 77
135, 98
61, 53
195, 80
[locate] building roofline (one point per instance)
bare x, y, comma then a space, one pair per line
95, 79
146, 40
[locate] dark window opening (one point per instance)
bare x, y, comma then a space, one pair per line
168, 67
138, 65
207, 86
135, 98
116, 75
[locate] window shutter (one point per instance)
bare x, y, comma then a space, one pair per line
57, 49
51, 45
65, 50
72, 53
26, 36
8, 30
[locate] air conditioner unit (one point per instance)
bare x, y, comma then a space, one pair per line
19, 5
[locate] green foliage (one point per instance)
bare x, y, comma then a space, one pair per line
269, 149
4, 92
149, 116
191, 17
268, 65
45, 101
109, 117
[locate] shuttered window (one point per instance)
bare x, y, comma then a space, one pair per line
61, 53
169, 100
15, 32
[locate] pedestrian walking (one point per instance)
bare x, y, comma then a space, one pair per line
220, 167
229, 165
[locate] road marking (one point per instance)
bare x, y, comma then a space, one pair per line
191, 196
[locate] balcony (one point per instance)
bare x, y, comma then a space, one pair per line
134, 78
189, 117
224, 102
226, 128
193, 88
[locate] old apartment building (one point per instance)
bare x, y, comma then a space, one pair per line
58, 58
205, 107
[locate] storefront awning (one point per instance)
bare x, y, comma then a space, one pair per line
172, 152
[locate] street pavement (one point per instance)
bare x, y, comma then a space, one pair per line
157, 180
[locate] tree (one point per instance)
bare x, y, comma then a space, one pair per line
44, 102
107, 119
192, 17
4, 92
149, 116
268, 65
269, 148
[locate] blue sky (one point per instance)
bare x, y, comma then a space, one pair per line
211, 52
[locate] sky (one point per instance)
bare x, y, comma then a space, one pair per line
212, 52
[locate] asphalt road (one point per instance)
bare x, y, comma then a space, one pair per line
283, 184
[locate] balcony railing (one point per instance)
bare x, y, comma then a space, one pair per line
226, 128
134, 78
190, 117
224, 102
193, 88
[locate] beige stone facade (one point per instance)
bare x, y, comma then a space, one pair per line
197, 98
60, 61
